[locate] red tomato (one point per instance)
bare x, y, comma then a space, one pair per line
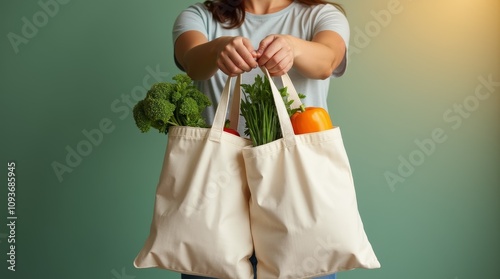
232, 131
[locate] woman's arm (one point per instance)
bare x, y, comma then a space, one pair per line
201, 58
315, 59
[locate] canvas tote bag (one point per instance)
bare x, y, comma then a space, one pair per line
304, 216
201, 222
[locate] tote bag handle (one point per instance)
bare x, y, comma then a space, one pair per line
284, 118
292, 93
221, 112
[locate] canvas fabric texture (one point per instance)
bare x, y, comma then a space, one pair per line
201, 221
303, 210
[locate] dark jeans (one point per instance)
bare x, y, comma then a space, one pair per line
253, 260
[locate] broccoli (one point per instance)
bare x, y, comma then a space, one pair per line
171, 104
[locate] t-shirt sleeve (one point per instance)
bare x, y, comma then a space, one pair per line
194, 18
330, 18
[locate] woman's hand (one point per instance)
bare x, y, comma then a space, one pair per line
236, 55
201, 58
315, 59
276, 54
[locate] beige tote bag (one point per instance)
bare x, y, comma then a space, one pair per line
201, 221
304, 216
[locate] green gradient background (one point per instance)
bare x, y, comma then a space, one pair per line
442, 222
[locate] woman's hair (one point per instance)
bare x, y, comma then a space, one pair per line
232, 12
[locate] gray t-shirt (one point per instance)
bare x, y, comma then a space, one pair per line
298, 20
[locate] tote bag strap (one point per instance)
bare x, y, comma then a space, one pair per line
284, 118
292, 93
234, 112
221, 112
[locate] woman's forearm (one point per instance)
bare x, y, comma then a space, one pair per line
201, 58
318, 59
199, 61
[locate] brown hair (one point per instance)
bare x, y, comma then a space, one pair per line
232, 12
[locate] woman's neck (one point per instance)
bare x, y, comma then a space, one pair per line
261, 7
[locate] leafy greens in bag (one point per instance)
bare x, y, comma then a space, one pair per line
259, 111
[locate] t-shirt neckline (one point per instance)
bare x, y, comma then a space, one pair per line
278, 13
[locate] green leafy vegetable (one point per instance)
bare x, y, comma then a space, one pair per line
259, 111
171, 104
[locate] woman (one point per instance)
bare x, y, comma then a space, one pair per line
307, 39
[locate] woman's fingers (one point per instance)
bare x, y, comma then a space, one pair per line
237, 56
279, 62
278, 66
264, 44
276, 54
